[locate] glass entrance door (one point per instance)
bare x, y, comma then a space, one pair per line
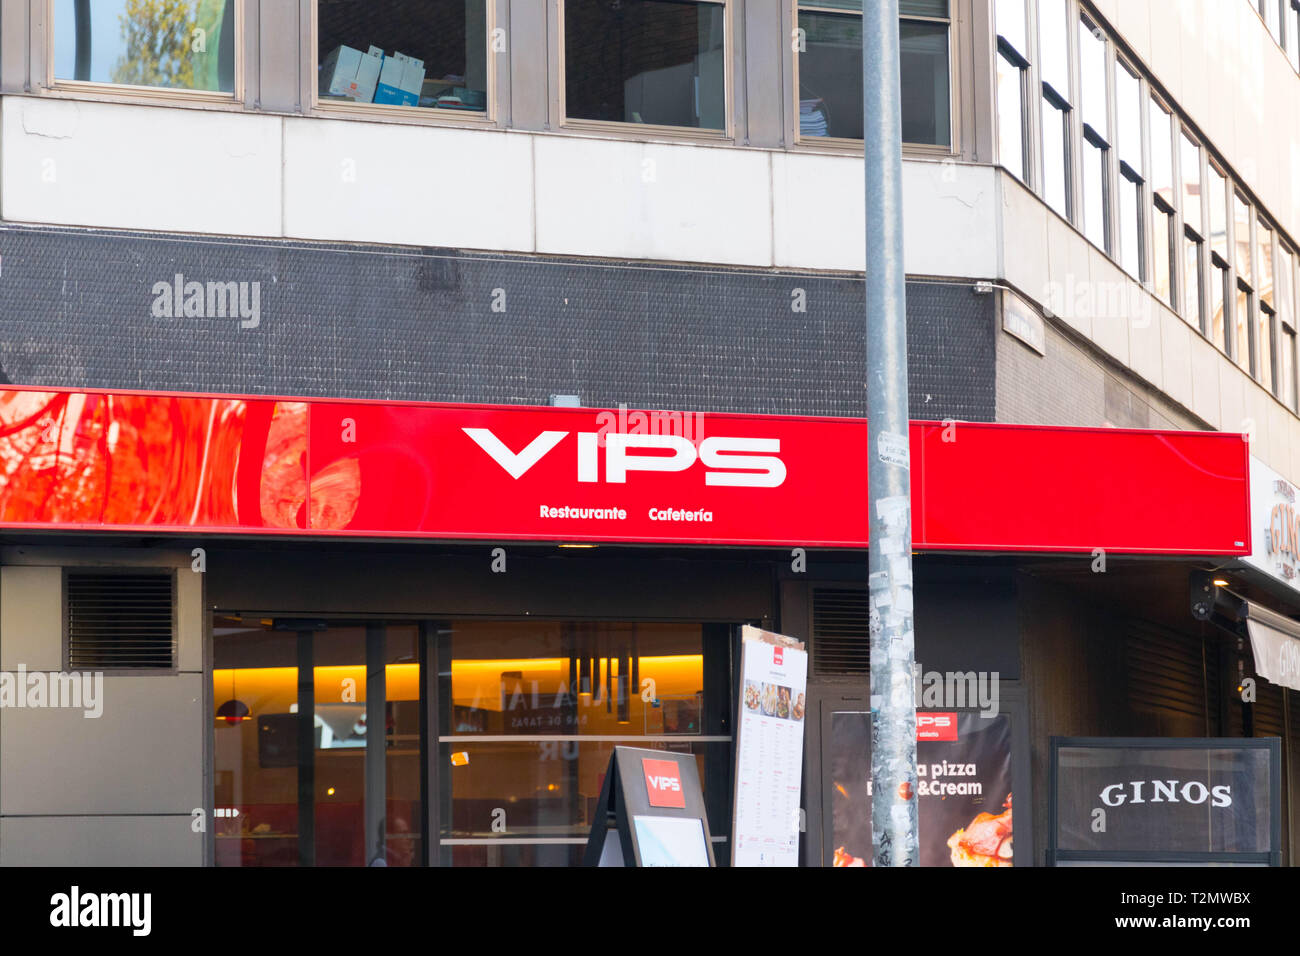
316, 743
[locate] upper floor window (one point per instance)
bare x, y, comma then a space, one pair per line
650, 62
1164, 244
1012, 61
1128, 133
1056, 104
829, 63
428, 54
186, 45
1097, 137
1292, 19
1189, 165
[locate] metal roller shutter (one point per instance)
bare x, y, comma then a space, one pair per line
1171, 685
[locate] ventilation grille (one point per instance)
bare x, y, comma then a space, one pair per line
841, 636
118, 621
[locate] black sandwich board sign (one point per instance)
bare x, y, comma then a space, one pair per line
1144, 801
650, 813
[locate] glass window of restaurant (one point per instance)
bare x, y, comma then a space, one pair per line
649, 62
418, 54
296, 778
179, 45
530, 712
495, 734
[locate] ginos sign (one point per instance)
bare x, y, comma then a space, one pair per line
734, 462
1166, 791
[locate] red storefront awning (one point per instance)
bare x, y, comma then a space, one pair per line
136, 461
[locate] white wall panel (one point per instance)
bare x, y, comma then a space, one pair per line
950, 212
1024, 252
1111, 316
1278, 452
1176, 357
100, 841
1232, 397
141, 167
144, 754
600, 197
817, 211
31, 618
408, 185
1206, 360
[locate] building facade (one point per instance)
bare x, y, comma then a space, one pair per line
644, 205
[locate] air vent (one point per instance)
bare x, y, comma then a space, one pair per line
117, 621
841, 644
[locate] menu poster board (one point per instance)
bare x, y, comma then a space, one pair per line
650, 812
769, 749
1171, 800
964, 788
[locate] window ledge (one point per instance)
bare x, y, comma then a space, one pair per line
141, 96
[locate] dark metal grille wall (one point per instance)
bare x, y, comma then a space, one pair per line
392, 323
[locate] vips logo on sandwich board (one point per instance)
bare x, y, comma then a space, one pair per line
663, 783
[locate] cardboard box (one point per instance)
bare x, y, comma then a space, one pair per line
400, 80
351, 73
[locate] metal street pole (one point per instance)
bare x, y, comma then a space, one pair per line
893, 701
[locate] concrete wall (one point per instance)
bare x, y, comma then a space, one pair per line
108, 791
213, 171
1219, 63
1053, 265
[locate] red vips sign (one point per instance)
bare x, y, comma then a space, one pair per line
663, 783
184, 463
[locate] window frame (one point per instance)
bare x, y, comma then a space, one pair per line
162, 95
843, 143
1102, 140
1263, 306
1159, 208
1288, 264
391, 112
1193, 231
1126, 176
652, 130
1030, 97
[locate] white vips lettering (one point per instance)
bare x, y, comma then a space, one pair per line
1166, 791
732, 462
665, 783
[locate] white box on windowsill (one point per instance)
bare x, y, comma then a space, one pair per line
349, 72
400, 80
